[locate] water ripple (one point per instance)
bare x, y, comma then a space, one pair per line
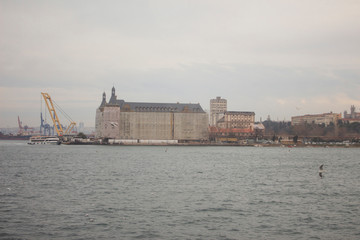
100, 192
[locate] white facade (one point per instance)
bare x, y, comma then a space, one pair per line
217, 108
235, 119
325, 118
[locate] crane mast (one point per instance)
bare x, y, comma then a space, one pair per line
55, 118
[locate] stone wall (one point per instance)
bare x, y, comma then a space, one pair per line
191, 126
145, 125
163, 126
112, 123
107, 122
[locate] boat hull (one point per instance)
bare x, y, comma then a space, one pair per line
40, 140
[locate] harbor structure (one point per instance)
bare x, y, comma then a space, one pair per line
218, 107
324, 118
140, 121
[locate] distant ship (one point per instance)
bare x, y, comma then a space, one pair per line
14, 137
44, 140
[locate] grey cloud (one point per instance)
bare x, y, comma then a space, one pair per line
262, 56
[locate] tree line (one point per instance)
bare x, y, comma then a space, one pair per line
342, 130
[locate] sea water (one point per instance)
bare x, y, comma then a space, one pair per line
178, 192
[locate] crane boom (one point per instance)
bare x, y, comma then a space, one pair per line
70, 127
20, 123
53, 114
58, 127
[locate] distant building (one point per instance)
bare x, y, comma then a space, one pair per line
81, 127
119, 119
259, 130
234, 126
352, 114
235, 119
230, 134
217, 108
325, 118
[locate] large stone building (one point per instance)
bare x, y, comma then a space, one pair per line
217, 108
325, 118
119, 119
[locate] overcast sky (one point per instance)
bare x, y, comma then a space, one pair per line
277, 58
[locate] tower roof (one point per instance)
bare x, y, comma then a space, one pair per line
103, 102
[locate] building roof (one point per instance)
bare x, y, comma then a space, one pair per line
160, 107
151, 107
239, 112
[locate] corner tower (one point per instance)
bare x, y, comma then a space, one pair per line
113, 96
103, 102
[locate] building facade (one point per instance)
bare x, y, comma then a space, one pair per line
217, 108
234, 126
235, 119
325, 118
118, 119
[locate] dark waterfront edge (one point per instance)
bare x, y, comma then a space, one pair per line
298, 145
225, 145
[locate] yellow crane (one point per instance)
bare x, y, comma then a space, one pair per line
55, 118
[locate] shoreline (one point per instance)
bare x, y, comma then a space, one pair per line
207, 144
222, 145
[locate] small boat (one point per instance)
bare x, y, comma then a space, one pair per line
44, 140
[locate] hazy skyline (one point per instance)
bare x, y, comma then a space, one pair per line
277, 58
